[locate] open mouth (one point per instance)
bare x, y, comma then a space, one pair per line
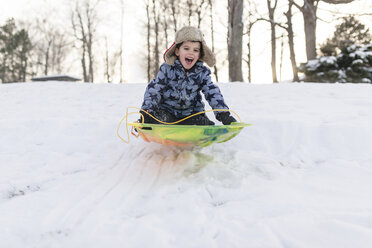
189, 61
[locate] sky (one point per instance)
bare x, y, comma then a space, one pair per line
134, 42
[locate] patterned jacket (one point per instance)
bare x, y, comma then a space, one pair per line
178, 91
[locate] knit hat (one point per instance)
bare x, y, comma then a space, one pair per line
190, 34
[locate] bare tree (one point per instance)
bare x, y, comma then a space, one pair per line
211, 3
281, 56
174, 6
80, 35
59, 52
107, 64
195, 10
251, 20
84, 20
234, 39
121, 38
289, 29
165, 20
309, 12
164, 17
156, 19
50, 46
110, 62
199, 11
154, 29
273, 37
148, 42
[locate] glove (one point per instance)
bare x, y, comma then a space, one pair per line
147, 118
225, 118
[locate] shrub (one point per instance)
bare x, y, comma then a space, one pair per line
353, 64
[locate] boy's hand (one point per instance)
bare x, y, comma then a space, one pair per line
147, 118
225, 118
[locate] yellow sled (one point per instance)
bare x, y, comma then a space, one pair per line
186, 135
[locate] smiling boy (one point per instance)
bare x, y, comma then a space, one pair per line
175, 92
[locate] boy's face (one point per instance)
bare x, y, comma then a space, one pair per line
188, 53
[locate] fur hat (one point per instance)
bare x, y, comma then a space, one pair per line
190, 34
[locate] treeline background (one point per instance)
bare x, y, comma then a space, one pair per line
106, 40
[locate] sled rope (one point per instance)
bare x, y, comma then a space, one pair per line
167, 123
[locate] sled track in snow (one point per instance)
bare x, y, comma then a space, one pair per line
116, 187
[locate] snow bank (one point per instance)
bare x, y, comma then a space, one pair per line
299, 177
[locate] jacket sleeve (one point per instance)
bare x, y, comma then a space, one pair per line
212, 93
153, 95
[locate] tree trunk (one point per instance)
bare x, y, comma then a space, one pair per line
3, 68
174, 8
84, 32
47, 52
309, 10
107, 64
291, 42
235, 37
121, 38
148, 41
199, 12
281, 57
190, 12
215, 71
249, 59
83, 64
309, 15
24, 69
273, 39
250, 22
90, 44
249, 50
165, 23
156, 31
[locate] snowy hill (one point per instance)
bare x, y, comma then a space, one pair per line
299, 177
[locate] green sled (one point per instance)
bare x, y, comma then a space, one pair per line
187, 135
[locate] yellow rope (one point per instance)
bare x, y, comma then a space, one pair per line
167, 123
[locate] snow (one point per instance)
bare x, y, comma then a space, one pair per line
328, 60
367, 80
313, 65
300, 176
360, 51
357, 62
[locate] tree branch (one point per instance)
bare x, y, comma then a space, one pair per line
295, 4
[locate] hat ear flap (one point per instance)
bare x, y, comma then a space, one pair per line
169, 55
208, 56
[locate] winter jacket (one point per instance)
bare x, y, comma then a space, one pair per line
178, 91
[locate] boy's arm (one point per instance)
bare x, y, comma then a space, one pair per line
152, 96
215, 99
212, 93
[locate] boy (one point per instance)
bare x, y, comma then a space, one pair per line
175, 93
